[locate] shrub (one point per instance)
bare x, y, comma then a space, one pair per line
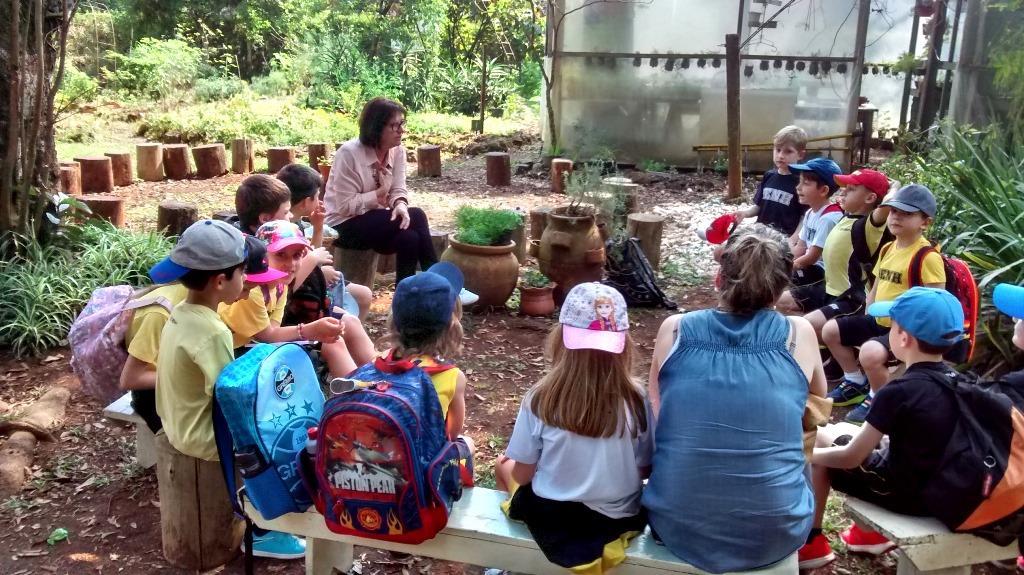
273, 84
485, 226
535, 279
218, 88
157, 69
77, 87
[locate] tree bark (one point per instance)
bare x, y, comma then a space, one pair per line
560, 170
174, 217
210, 161
647, 228
499, 169
278, 158
177, 165
428, 161
149, 162
121, 165
106, 207
242, 156
97, 175
317, 155
71, 178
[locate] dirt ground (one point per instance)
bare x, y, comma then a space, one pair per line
89, 484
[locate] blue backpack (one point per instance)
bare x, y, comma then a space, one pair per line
384, 467
265, 402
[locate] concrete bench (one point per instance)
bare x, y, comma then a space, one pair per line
478, 533
925, 545
145, 440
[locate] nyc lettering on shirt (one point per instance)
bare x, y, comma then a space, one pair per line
777, 196
890, 276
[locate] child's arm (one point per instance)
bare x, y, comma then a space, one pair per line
312, 259
325, 329
317, 220
662, 344
522, 473
879, 215
808, 355
850, 455
457, 409
750, 212
808, 255
138, 374
871, 295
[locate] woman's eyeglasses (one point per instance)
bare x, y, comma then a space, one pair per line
397, 126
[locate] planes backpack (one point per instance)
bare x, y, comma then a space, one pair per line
265, 402
384, 467
98, 351
978, 487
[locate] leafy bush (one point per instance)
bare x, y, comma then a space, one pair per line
77, 87
460, 87
275, 83
46, 287
485, 226
157, 69
218, 88
535, 279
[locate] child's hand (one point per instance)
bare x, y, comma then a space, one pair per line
322, 256
330, 274
326, 330
317, 217
739, 215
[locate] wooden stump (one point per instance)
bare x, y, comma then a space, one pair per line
428, 161
317, 155
386, 264
106, 207
647, 228
210, 161
198, 527
177, 165
97, 175
325, 173
278, 158
149, 162
440, 241
499, 169
173, 217
71, 178
538, 221
359, 266
519, 237
243, 156
224, 215
560, 170
626, 188
121, 165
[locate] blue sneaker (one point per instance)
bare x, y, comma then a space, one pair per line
848, 393
858, 414
277, 545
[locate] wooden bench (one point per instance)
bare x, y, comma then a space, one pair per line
145, 440
925, 545
478, 533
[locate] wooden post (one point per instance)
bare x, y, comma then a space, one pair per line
177, 165
243, 156
928, 104
428, 161
647, 229
732, 107
224, 215
519, 237
317, 155
386, 264
97, 175
149, 162
560, 170
121, 166
325, 174
538, 221
440, 241
71, 178
174, 217
198, 527
625, 188
278, 158
359, 266
499, 169
106, 207
210, 161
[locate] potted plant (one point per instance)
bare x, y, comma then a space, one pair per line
483, 249
535, 294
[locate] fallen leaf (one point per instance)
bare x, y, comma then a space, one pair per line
113, 521
52, 358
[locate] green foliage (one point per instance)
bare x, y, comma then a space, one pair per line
906, 64
535, 279
219, 88
653, 165
156, 69
46, 286
485, 226
1007, 59
275, 83
76, 87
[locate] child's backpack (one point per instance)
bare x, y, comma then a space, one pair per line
384, 467
959, 282
98, 352
628, 271
862, 253
978, 487
265, 402
313, 300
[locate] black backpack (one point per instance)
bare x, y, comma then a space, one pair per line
864, 260
629, 272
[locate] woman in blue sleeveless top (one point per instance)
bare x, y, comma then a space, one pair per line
729, 490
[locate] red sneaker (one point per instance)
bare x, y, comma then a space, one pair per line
861, 541
817, 553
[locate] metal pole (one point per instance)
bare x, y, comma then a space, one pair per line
909, 76
947, 85
860, 45
732, 106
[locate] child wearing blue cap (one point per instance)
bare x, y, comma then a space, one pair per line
916, 414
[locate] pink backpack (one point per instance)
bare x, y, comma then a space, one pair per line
98, 352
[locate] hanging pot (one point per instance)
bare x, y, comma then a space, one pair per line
841, 67
748, 70
491, 272
716, 63
800, 66
764, 65
777, 64
701, 62
637, 62
826, 67
686, 63
789, 65
813, 70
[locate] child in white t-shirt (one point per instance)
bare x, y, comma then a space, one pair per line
582, 446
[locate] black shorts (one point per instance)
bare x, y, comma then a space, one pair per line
854, 330
810, 297
872, 481
808, 275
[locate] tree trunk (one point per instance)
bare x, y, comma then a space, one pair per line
278, 158
121, 165
149, 162
176, 162
173, 217
428, 161
210, 161
242, 156
647, 228
499, 169
97, 175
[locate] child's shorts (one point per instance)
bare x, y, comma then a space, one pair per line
873, 482
854, 330
811, 296
573, 535
808, 275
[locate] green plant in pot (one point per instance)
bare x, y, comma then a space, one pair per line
482, 249
535, 294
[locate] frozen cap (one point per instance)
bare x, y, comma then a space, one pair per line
206, 245
280, 234
1009, 299
873, 180
594, 316
719, 230
824, 168
257, 270
913, 198
931, 315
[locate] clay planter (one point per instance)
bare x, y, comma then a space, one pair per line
537, 301
571, 251
491, 272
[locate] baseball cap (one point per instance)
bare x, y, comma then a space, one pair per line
423, 303
931, 315
257, 270
1009, 299
719, 230
584, 326
824, 168
280, 234
913, 198
873, 180
206, 245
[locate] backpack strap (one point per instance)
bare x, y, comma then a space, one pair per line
226, 454
148, 301
916, 263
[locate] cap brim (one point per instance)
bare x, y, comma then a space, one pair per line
467, 297
453, 275
881, 308
800, 167
287, 243
893, 203
1009, 299
580, 338
846, 179
702, 233
166, 271
268, 276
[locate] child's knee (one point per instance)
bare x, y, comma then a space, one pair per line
830, 333
469, 443
873, 354
362, 294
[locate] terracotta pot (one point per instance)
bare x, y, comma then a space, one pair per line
537, 301
491, 272
571, 251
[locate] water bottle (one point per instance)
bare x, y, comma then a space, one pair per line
311, 435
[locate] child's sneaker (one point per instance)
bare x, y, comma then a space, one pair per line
817, 553
849, 393
277, 545
861, 541
858, 414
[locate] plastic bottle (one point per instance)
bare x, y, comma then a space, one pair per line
311, 435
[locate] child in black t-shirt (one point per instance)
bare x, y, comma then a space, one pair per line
775, 203
911, 420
